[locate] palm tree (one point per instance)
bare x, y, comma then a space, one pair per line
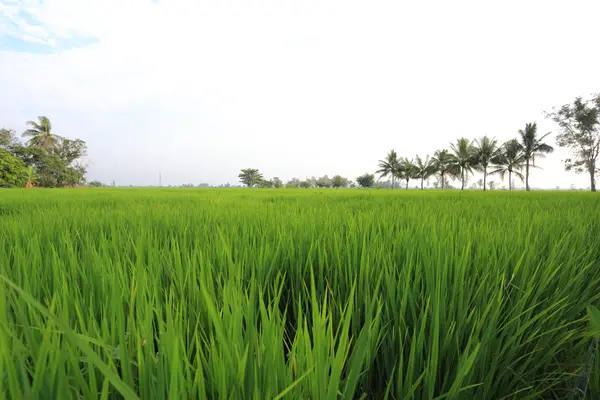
442, 163
389, 166
464, 159
250, 177
485, 150
423, 169
406, 170
41, 134
510, 161
532, 147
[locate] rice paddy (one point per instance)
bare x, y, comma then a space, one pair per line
320, 294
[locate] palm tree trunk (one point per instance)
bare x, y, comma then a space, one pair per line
527, 174
592, 180
407, 184
422, 183
484, 178
462, 179
509, 179
442, 180
392, 182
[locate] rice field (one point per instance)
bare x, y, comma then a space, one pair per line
298, 294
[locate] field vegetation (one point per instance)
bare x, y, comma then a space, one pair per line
322, 294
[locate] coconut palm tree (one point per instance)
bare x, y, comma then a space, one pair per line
510, 161
41, 134
423, 169
442, 163
406, 170
463, 158
250, 177
389, 166
532, 147
485, 150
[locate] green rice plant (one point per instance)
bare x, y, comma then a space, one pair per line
321, 294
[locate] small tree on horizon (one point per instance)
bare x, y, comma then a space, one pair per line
250, 177
366, 180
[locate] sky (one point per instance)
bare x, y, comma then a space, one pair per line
197, 90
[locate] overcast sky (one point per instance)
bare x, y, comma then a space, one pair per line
199, 89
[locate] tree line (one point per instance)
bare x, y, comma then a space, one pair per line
579, 132
44, 159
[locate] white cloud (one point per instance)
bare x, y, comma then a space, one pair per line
200, 89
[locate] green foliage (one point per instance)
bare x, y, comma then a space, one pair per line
316, 294
8, 138
13, 172
52, 171
579, 125
250, 177
339, 181
96, 184
324, 182
277, 183
366, 181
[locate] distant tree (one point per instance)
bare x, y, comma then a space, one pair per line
352, 185
250, 177
305, 184
8, 139
70, 150
389, 166
480, 184
277, 183
51, 170
532, 147
407, 170
13, 172
293, 183
492, 185
436, 184
463, 158
265, 184
443, 164
510, 161
324, 182
95, 184
40, 134
423, 169
579, 125
484, 151
366, 180
339, 181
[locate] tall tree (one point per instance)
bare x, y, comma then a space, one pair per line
464, 160
484, 151
510, 161
389, 166
250, 177
443, 165
40, 134
423, 169
579, 125
406, 170
366, 180
532, 147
